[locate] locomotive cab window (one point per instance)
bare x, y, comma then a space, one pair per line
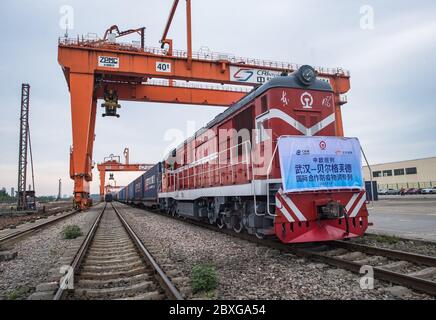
264, 104
262, 133
244, 125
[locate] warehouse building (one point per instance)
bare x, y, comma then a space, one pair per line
420, 173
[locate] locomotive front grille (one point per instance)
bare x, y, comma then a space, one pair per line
330, 210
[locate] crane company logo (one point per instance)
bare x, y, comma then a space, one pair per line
247, 75
323, 145
307, 100
243, 75
108, 62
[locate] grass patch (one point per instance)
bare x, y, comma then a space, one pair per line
204, 278
387, 239
16, 294
72, 232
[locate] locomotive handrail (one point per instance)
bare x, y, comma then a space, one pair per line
267, 179
370, 177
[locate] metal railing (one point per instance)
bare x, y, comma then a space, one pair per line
199, 55
180, 84
406, 185
201, 170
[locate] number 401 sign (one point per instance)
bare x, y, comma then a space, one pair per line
163, 67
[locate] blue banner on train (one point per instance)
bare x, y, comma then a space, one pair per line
320, 163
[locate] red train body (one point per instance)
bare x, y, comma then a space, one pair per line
229, 172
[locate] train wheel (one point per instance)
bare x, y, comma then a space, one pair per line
220, 222
238, 227
259, 235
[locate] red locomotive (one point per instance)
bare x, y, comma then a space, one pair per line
230, 172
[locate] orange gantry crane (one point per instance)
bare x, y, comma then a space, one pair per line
110, 70
113, 164
110, 188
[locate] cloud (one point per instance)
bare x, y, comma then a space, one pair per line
391, 104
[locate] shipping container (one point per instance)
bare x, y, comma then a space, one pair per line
138, 186
151, 181
131, 192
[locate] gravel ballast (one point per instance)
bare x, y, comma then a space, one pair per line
247, 270
400, 244
39, 253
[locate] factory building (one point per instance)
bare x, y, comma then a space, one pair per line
419, 173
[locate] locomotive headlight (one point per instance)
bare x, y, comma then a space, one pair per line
306, 74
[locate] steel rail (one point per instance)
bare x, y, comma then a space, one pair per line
170, 290
393, 254
60, 293
22, 233
418, 284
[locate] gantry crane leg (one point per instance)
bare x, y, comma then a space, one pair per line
102, 184
83, 111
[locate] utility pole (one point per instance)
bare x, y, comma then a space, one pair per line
59, 190
26, 199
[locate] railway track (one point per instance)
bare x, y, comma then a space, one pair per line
14, 236
414, 271
112, 263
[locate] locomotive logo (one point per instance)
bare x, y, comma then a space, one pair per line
323, 145
243, 75
307, 100
327, 101
284, 99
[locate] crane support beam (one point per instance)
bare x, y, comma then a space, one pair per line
143, 64
114, 166
169, 21
83, 112
178, 95
189, 33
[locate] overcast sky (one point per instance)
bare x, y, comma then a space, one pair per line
391, 107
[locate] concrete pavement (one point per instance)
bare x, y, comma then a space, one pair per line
409, 217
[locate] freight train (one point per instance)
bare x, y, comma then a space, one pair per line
272, 164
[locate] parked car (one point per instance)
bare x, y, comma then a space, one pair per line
382, 192
386, 192
391, 192
413, 191
431, 190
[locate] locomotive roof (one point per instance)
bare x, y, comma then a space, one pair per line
290, 81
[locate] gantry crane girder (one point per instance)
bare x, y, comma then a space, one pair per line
92, 66
109, 188
116, 166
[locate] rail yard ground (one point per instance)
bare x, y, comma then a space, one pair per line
244, 270
409, 216
40, 256
250, 271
